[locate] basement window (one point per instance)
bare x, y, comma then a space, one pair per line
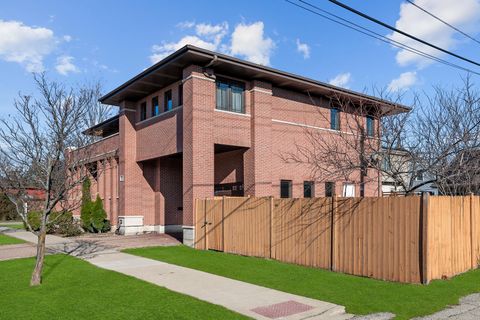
230, 96
308, 189
285, 188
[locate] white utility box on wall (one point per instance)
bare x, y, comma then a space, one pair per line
130, 225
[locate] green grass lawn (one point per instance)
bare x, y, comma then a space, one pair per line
18, 226
75, 289
4, 239
359, 295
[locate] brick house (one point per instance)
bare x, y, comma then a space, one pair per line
199, 124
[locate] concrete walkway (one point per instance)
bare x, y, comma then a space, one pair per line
248, 299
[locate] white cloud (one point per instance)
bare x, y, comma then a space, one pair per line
67, 38
185, 24
65, 65
161, 51
207, 36
205, 29
304, 49
249, 42
25, 45
404, 81
464, 14
341, 80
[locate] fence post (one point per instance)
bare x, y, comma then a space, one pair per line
205, 223
424, 237
223, 223
472, 245
332, 232
271, 227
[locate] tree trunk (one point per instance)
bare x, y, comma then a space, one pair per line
37, 271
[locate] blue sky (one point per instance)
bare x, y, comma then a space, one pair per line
111, 41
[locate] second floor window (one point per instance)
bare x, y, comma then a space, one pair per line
143, 111
334, 119
180, 95
230, 96
168, 103
155, 108
370, 127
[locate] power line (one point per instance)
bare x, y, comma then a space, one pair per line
443, 21
383, 24
376, 35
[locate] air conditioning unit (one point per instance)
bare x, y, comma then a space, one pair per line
130, 225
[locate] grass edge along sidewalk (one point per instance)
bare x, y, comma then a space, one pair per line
359, 295
75, 289
6, 240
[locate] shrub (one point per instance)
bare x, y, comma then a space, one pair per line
94, 217
60, 222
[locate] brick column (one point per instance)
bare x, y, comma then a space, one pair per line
198, 147
258, 159
130, 189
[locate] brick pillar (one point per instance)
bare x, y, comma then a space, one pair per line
198, 148
258, 159
130, 189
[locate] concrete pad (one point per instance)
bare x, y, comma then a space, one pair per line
235, 295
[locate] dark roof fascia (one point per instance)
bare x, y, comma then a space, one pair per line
256, 67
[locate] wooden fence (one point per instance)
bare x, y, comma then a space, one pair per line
406, 239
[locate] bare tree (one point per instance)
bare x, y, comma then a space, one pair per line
34, 151
438, 139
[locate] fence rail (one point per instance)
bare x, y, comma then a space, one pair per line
406, 239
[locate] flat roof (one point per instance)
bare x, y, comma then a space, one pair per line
170, 69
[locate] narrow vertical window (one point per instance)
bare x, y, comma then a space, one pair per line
334, 119
370, 126
155, 108
143, 111
180, 95
329, 189
308, 189
168, 103
285, 188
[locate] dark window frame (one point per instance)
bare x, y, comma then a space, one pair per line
308, 189
335, 122
329, 189
167, 96
370, 126
155, 111
288, 184
143, 111
231, 86
180, 94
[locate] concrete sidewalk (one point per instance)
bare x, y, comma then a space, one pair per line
248, 299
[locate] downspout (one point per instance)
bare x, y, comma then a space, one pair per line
208, 65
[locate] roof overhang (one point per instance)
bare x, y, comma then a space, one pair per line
105, 128
171, 68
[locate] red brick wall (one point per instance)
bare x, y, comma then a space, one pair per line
198, 146
229, 166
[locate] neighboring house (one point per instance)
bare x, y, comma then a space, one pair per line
199, 124
398, 172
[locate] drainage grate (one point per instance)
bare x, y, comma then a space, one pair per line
282, 309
